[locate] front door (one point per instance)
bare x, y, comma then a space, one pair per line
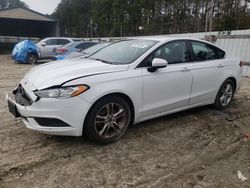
47, 48
169, 88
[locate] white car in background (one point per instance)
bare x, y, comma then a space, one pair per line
47, 45
125, 83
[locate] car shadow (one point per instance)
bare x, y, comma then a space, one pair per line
138, 129
42, 61
171, 117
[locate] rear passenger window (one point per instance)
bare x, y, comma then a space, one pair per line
203, 51
221, 53
62, 41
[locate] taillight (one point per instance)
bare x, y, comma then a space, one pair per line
241, 64
61, 50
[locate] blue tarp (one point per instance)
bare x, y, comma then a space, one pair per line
22, 49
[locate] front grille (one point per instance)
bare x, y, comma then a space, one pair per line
51, 122
22, 97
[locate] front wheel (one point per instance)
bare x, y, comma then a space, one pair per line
32, 58
107, 120
225, 95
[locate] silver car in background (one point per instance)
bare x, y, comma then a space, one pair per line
88, 51
47, 45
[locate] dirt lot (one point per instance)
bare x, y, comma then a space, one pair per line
197, 148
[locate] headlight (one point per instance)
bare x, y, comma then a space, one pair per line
63, 92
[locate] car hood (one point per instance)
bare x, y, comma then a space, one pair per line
58, 72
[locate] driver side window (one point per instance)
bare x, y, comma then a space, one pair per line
174, 52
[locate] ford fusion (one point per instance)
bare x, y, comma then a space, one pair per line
125, 83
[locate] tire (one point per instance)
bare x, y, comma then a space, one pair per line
225, 95
107, 120
32, 58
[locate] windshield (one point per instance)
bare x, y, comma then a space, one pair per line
95, 48
124, 52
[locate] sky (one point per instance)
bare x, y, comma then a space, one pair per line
42, 6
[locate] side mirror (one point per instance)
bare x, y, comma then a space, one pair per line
44, 44
157, 63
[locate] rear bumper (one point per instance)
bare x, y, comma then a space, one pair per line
72, 111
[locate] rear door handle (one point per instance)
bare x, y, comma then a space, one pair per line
220, 66
185, 69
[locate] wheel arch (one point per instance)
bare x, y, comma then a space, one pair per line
35, 53
234, 81
216, 104
123, 96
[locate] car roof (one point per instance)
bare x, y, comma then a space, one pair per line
162, 38
57, 38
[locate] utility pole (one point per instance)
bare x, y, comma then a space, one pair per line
91, 28
70, 18
206, 22
121, 31
211, 15
209, 12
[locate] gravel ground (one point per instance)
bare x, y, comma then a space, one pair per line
196, 148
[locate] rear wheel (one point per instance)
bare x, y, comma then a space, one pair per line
107, 120
32, 58
225, 95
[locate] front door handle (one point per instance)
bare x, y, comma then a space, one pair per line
185, 69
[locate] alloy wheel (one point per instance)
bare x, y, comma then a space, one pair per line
110, 120
32, 59
226, 94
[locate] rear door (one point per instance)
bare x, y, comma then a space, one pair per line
52, 44
208, 67
62, 42
59, 43
169, 88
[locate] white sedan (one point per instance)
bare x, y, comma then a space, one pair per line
125, 83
